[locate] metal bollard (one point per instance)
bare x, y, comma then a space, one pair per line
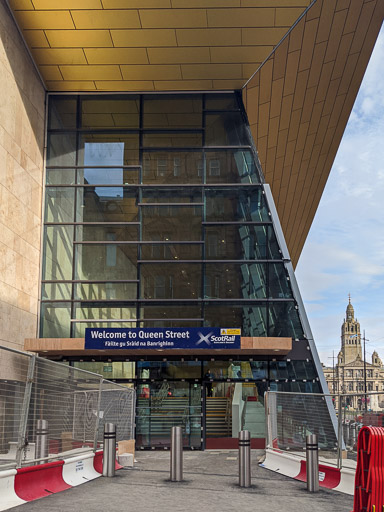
177, 454
41, 440
244, 458
109, 455
352, 433
346, 432
312, 449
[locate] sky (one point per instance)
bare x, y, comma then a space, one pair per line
344, 251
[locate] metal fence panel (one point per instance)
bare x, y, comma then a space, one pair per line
117, 405
292, 416
356, 411
74, 402
14, 367
54, 389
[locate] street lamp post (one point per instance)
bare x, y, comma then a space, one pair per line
365, 376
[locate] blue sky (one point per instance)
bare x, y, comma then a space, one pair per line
344, 251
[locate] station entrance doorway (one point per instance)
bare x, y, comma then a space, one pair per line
212, 401
164, 404
230, 407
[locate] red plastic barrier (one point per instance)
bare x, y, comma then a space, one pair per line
329, 477
98, 462
369, 485
35, 482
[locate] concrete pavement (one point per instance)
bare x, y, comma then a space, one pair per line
211, 485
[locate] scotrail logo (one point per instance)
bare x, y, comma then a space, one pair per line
204, 339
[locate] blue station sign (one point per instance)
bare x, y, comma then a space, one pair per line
101, 338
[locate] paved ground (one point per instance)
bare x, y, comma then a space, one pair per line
211, 485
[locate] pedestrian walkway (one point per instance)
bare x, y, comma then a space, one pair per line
211, 485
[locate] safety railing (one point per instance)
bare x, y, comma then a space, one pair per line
73, 403
335, 419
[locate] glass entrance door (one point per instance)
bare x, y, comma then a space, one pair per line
234, 401
163, 405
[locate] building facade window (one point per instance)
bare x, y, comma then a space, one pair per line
144, 214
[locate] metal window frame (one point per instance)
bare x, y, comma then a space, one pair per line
171, 302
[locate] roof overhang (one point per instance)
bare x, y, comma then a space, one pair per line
299, 63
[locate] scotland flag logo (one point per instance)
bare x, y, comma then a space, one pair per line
204, 339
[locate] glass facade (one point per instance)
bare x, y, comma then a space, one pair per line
155, 216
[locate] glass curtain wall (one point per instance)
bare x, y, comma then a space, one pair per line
155, 216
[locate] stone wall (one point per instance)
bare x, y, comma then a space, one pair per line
22, 107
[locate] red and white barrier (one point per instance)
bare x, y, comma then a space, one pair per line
8, 495
329, 476
282, 462
18, 486
34, 482
98, 462
294, 466
80, 469
347, 481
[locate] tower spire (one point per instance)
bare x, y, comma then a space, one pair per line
350, 313
350, 336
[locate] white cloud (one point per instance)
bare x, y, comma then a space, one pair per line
367, 105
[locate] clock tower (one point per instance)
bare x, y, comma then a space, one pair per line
350, 337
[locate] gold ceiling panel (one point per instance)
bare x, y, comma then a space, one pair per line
173, 18
143, 38
299, 102
262, 36
238, 54
59, 56
90, 72
44, 20
178, 55
209, 37
244, 17
185, 4
36, 39
115, 56
59, 5
103, 19
162, 72
136, 4
78, 39
222, 41
21, 4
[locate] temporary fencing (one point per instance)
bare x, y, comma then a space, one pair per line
292, 416
337, 421
74, 403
